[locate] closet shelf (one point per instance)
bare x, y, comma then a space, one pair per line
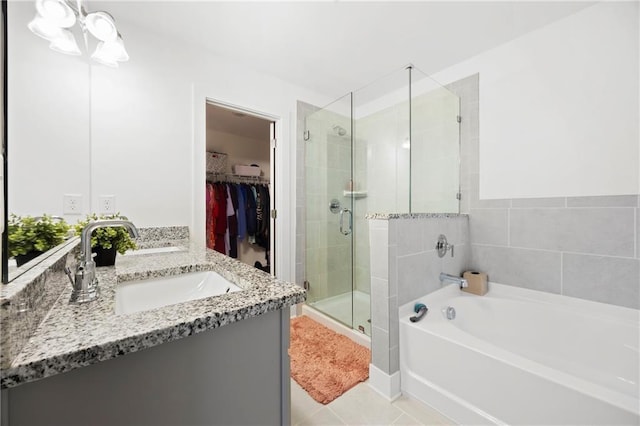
229, 177
355, 194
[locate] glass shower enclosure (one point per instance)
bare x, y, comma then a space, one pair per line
390, 147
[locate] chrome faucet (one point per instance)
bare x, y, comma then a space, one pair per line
85, 285
447, 278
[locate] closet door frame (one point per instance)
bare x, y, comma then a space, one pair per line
273, 213
276, 236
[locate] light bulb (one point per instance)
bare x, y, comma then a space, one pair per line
110, 52
43, 28
101, 26
57, 12
65, 43
104, 55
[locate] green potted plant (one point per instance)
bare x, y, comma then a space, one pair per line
107, 242
28, 237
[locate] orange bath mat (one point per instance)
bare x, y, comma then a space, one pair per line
326, 364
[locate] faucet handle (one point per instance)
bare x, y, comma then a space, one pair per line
443, 246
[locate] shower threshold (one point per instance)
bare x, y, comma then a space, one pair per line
335, 311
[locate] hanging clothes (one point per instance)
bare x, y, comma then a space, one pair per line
252, 221
264, 222
241, 213
259, 207
221, 217
232, 220
230, 215
208, 212
212, 213
237, 212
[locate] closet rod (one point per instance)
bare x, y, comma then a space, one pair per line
225, 177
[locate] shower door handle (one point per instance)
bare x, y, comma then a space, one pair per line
348, 230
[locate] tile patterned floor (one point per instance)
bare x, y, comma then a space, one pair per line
361, 405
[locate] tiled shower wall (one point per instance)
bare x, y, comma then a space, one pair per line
586, 247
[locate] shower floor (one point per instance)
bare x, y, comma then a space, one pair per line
339, 308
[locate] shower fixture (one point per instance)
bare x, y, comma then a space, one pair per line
339, 130
55, 18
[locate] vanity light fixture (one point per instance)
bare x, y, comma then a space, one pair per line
53, 21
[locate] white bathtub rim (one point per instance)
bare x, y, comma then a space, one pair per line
457, 336
598, 310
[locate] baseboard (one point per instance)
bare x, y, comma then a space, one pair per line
386, 385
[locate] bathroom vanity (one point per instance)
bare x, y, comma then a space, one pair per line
215, 360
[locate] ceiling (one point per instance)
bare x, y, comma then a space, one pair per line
236, 123
337, 47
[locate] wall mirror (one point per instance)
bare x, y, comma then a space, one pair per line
48, 133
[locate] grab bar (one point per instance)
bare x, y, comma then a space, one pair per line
348, 231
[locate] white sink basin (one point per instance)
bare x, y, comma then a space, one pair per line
153, 251
136, 296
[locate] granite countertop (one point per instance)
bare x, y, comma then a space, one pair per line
74, 336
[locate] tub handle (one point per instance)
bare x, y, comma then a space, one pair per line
443, 246
421, 310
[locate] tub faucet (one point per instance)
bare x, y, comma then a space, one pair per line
85, 285
447, 278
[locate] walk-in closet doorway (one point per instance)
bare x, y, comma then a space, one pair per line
240, 191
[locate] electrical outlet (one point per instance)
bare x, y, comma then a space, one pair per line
72, 204
107, 204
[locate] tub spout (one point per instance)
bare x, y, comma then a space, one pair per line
421, 310
447, 278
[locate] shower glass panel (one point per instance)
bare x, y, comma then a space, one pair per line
390, 147
329, 211
382, 145
435, 146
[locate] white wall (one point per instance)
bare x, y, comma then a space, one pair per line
559, 107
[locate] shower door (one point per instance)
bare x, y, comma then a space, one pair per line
329, 211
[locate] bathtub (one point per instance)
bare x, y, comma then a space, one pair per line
517, 356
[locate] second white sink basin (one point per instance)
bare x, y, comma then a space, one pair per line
136, 296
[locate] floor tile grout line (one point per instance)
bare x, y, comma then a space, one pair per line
336, 414
317, 410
